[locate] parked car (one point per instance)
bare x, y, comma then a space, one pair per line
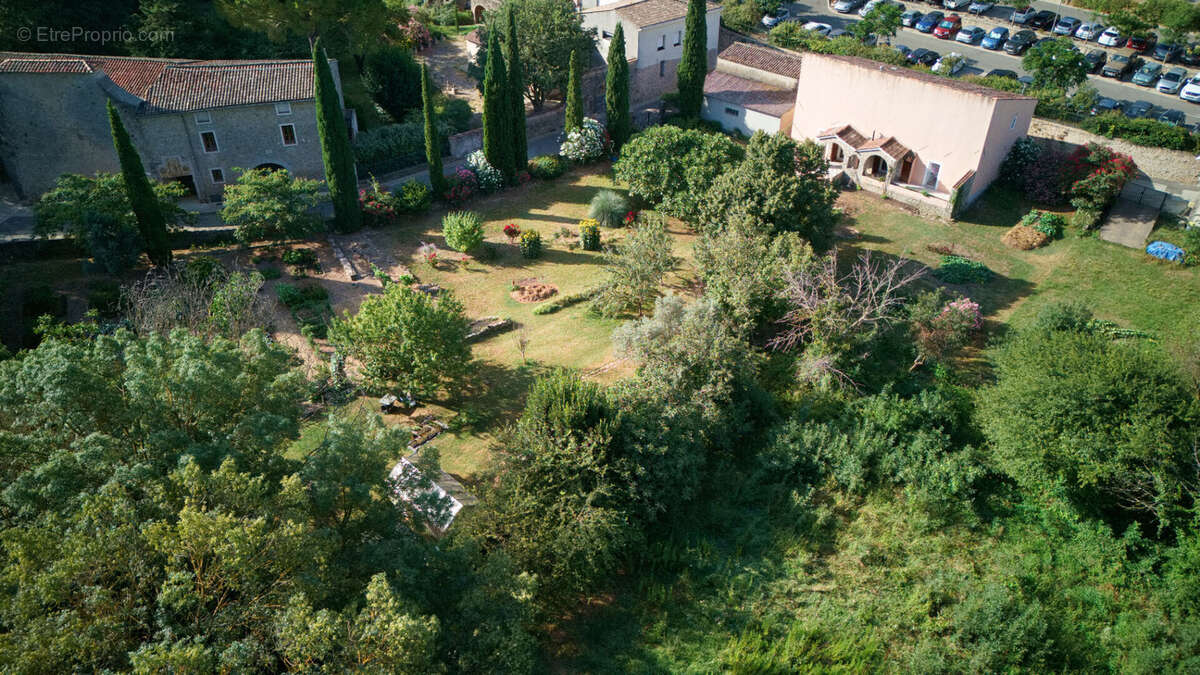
1141, 43
956, 5
1138, 109
1066, 25
995, 38
970, 35
866, 9
818, 27
950, 64
837, 32
903, 50
1172, 80
1118, 66
1191, 90
910, 18
1088, 31
1022, 15
1147, 75
924, 57
1043, 20
1105, 105
1111, 37
1166, 52
1190, 56
980, 7
1000, 72
847, 6
780, 15
1096, 60
929, 22
1019, 42
948, 28
1175, 118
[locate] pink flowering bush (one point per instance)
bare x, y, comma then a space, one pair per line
941, 328
464, 184
378, 205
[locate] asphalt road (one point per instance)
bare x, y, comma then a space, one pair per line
980, 60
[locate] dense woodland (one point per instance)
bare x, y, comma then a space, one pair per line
823, 462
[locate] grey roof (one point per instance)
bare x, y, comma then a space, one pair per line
750, 94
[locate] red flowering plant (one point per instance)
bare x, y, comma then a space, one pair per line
631, 217
523, 177
1097, 174
512, 231
378, 205
464, 184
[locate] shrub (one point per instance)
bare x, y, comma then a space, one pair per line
1097, 174
266, 204
531, 244
1044, 179
636, 269
104, 296
941, 328
463, 185
294, 297
589, 234
392, 146
564, 301
393, 79
1063, 316
547, 166
303, 258
956, 269
270, 272
203, 269
673, 168
1085, 219
414, 197
1022, 155
1049, 224
489, 177
608, 208
455, 115
1146, 132
463, 230
585, 144
378, 205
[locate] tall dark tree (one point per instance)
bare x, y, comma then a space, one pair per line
335, 145
516, 91
693, 66
573, 118
497, 129
616, 90
143, 202
433, 143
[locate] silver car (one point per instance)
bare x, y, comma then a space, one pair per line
1172, 80
1089, 31
847, 6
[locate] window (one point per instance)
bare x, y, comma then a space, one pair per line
218, 176
607, 35
662, 42
289, 133
931, 174
678, 37
1013, 125
662, 68
732, 112
203, 117
209, 140
284, 108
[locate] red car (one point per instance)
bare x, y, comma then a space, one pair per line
948, 28
1140, 43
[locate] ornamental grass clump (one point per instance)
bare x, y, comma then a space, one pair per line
608, 208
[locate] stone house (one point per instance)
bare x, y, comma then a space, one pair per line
653, 41
192, 121
753, 88
933, 142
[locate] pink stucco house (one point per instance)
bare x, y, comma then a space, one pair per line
930, 141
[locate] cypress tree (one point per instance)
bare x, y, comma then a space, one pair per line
616, 90
146, 210
516, 93
497, 129
433, 143
693, 66
574, 111
335, 145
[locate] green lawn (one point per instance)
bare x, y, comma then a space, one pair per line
1121, 284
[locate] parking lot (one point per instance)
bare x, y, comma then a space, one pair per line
982, 60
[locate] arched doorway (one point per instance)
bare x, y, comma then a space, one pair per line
875, 167
478, 13
271, 166
835, 153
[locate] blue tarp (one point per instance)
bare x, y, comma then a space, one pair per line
1161, 249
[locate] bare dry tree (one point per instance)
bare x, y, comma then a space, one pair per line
221, 303
828, 310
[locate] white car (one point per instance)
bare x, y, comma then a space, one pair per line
818, 27
950, 64
1191, 90
866, 9
956, 4
1111, 37
980, 7
1172, 80
771, 20
1088, 32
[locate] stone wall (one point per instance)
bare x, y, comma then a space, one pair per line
539, 124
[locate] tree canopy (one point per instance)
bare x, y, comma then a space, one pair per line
549, 31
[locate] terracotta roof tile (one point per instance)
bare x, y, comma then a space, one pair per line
647, 12
930, 78
763, 58
44, 66
749, 94
887, 144
847, 133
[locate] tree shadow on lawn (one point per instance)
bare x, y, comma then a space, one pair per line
491, 394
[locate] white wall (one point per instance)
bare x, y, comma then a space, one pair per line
648, 52
747, 121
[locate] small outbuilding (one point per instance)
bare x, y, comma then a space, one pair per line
752, 89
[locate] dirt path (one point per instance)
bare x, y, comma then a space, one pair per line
447, 61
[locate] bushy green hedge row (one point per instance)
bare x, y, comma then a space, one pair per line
564, 301
956, 269
1147, 132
